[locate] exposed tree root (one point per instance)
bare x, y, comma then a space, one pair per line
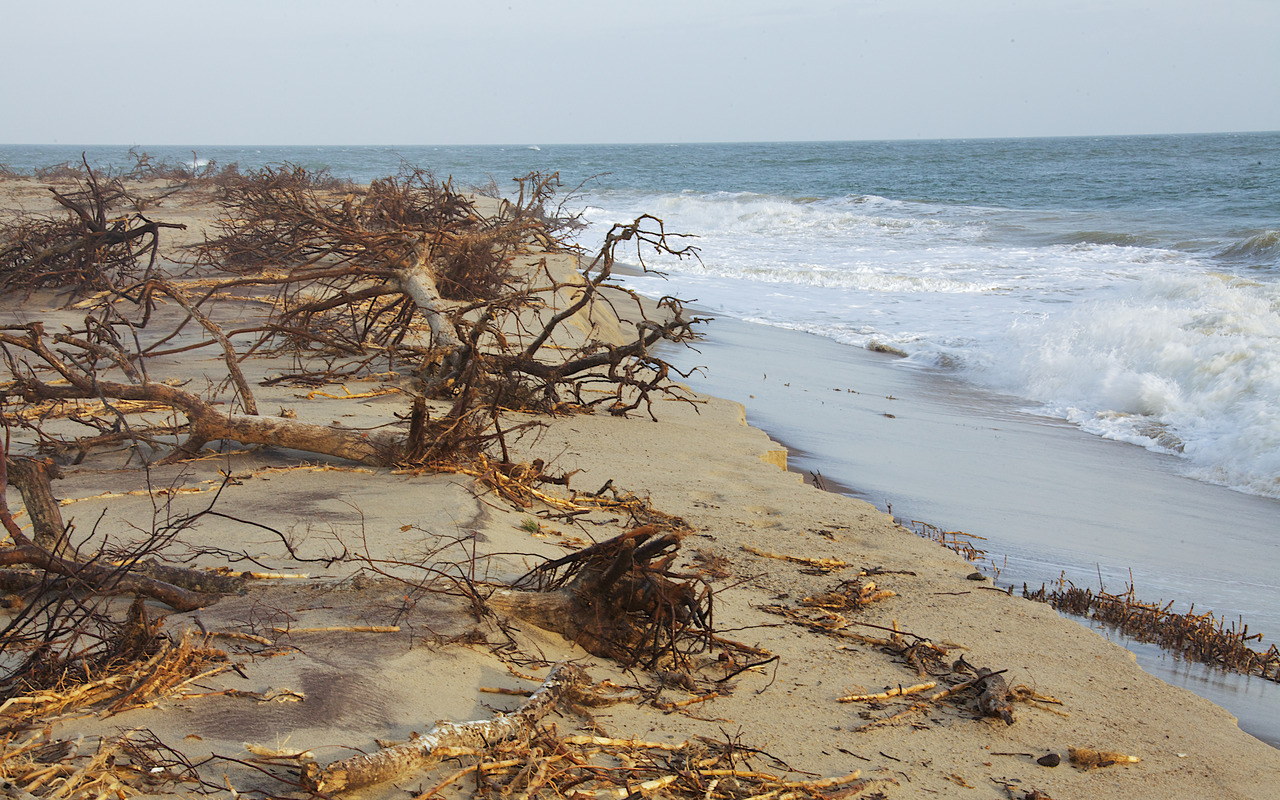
617, 599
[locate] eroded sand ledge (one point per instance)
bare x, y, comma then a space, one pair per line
701, 462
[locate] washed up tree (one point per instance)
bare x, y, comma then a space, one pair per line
407, 276
102, 241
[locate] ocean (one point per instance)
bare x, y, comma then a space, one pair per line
1089, 331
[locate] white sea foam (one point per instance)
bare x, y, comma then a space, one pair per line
1128, 339
1186, 363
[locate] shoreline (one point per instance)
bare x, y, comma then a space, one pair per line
917, 397
373, 637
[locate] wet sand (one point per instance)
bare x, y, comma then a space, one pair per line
1049, 499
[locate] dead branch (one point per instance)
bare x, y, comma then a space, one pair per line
230, 356
898, 691
31, 476
994, 703
95, 576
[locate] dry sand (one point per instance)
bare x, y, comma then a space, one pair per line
699, 461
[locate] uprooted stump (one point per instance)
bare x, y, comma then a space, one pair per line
618, 599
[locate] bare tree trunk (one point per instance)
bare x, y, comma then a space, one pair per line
209, 423
417, 280
31, 477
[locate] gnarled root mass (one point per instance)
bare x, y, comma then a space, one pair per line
95, 247
618, 599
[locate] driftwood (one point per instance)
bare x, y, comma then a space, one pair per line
35, 551
602, 767
1088, 758
95, 577
391, 762
995, 699
923, 655
207, 422
899, 691
31, 476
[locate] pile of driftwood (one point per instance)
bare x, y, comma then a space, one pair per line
1203, 638
404, 281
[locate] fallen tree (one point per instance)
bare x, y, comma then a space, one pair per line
94, 247
408, 275
357, 277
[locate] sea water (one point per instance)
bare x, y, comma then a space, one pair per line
1106, 310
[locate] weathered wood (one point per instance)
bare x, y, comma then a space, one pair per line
93, 576
196, 580
97, 577
995, 699
416, 279
211, 423
392, 762
898, 691
31, 477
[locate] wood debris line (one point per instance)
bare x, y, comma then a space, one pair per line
1203, 638
923, 655
957, 541
589, 767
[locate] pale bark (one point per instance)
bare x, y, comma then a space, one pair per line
210, 423
417, 280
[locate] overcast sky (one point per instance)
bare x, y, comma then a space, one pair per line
563, 71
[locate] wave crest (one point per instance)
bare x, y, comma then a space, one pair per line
1261, 248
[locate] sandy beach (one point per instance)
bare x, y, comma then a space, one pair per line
365, 637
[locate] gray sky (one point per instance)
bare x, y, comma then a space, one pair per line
561, 71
